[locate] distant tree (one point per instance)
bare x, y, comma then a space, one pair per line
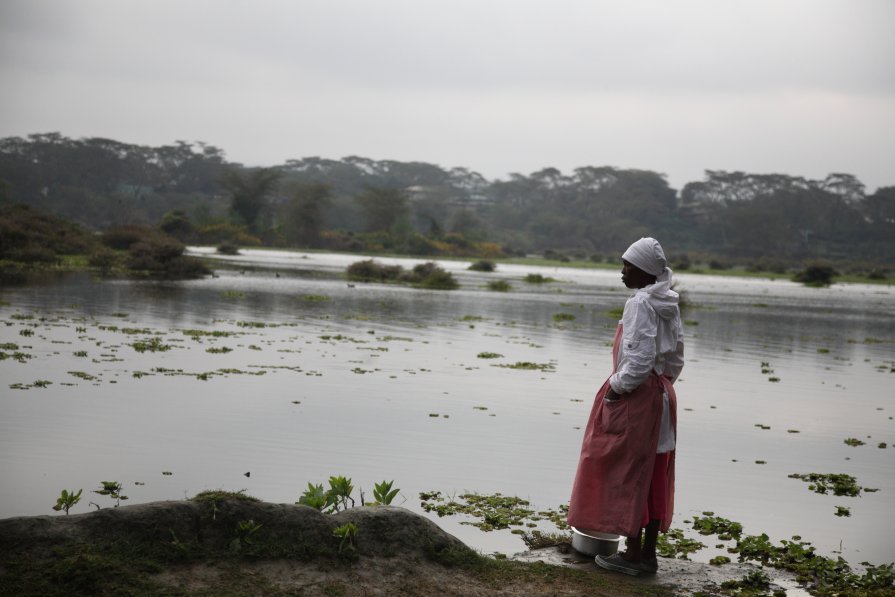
176, 223
303, 214
249, 192
382, 208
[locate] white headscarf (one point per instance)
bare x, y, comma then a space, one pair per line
647, 254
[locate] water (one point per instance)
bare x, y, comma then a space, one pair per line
345, 379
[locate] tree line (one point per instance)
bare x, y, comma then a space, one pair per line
360, 204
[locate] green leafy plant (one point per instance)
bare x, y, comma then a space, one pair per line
347, 533
383, 493
336, 498
111, 489
339, 493
244, 531
314, 496
67, 500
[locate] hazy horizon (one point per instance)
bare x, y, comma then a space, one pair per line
803, 88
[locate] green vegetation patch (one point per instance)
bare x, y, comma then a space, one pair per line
489, 355
715, 525
560, 317
500, 286
19, 356
151, 345
202, 333
529, 366
483, 265
538, 279
837, 483
674, 544
491, 512
426, 275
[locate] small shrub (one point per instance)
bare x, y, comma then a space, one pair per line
104, 260
371, 271
483, 265
66, 500
347, 533
499, 286
538, 279
816, 275
228, 248
440, 280
383, 493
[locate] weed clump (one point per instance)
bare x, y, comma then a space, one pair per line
483, 265
424, 275
538, 279
816, 275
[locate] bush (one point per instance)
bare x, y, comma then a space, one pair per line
429, 275
538, 279
718, 265
439, 280
33, 254
124, 237
816, 275
371, 271
22, 228
228, 248
483, 265
104, 260
499, 286
151, 252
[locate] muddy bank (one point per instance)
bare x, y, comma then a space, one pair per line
231, 544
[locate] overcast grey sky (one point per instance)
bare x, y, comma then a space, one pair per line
801, 87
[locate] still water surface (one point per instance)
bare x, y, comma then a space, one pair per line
323, 377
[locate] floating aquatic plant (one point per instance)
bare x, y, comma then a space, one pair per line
151, 345
528, 366
837, 483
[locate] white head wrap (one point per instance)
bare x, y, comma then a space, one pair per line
647, 254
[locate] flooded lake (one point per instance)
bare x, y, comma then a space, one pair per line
308, 376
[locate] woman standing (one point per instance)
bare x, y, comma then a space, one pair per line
625, 479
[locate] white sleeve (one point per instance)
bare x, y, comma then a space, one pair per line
674, 362
639, 346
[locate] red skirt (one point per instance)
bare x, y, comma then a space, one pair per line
657, 498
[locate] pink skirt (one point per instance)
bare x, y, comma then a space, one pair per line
657, 498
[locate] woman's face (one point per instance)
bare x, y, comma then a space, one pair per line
634, 277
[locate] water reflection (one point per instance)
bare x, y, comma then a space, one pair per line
344, 379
